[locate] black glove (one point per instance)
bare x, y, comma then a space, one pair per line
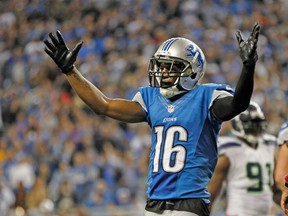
60, 53
248, 48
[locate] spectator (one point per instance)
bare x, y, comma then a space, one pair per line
7, 196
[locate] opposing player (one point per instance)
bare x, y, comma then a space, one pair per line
281, 170
185, 116
245, 165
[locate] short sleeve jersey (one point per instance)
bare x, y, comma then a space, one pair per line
184, 148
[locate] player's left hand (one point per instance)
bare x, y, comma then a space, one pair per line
248, 48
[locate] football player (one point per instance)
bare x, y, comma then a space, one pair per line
185, 116
281, 170
246, 165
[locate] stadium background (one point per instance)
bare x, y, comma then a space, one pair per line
53, 149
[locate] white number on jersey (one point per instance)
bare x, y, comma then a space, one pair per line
169, 148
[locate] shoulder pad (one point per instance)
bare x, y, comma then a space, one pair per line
269, 139
227, 143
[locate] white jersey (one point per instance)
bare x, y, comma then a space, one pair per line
283, 134
250, 175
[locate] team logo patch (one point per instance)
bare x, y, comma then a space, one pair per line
171, 108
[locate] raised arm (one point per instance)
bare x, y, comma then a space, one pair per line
228, 107
119, 109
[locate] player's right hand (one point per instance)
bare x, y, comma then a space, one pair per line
60, 53
248, 48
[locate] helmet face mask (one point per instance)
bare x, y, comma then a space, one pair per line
176, 69
250, 124
182, 54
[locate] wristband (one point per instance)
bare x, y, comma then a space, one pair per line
286, 181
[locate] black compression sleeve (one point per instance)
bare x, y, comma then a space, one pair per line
228, 107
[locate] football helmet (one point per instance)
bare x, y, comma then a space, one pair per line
250, 124
183, 54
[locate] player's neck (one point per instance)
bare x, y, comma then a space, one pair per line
176, 97
251, 145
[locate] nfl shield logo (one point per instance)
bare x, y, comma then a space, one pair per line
170, 108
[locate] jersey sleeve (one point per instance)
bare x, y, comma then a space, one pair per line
220, 92
139, 98
283, 134
229, 147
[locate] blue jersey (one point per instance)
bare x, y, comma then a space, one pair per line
184, 142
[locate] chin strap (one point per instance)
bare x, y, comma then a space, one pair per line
171, 91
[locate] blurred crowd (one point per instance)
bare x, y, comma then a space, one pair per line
56, 156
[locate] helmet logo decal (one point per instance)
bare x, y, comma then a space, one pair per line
168, 44
192, 52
